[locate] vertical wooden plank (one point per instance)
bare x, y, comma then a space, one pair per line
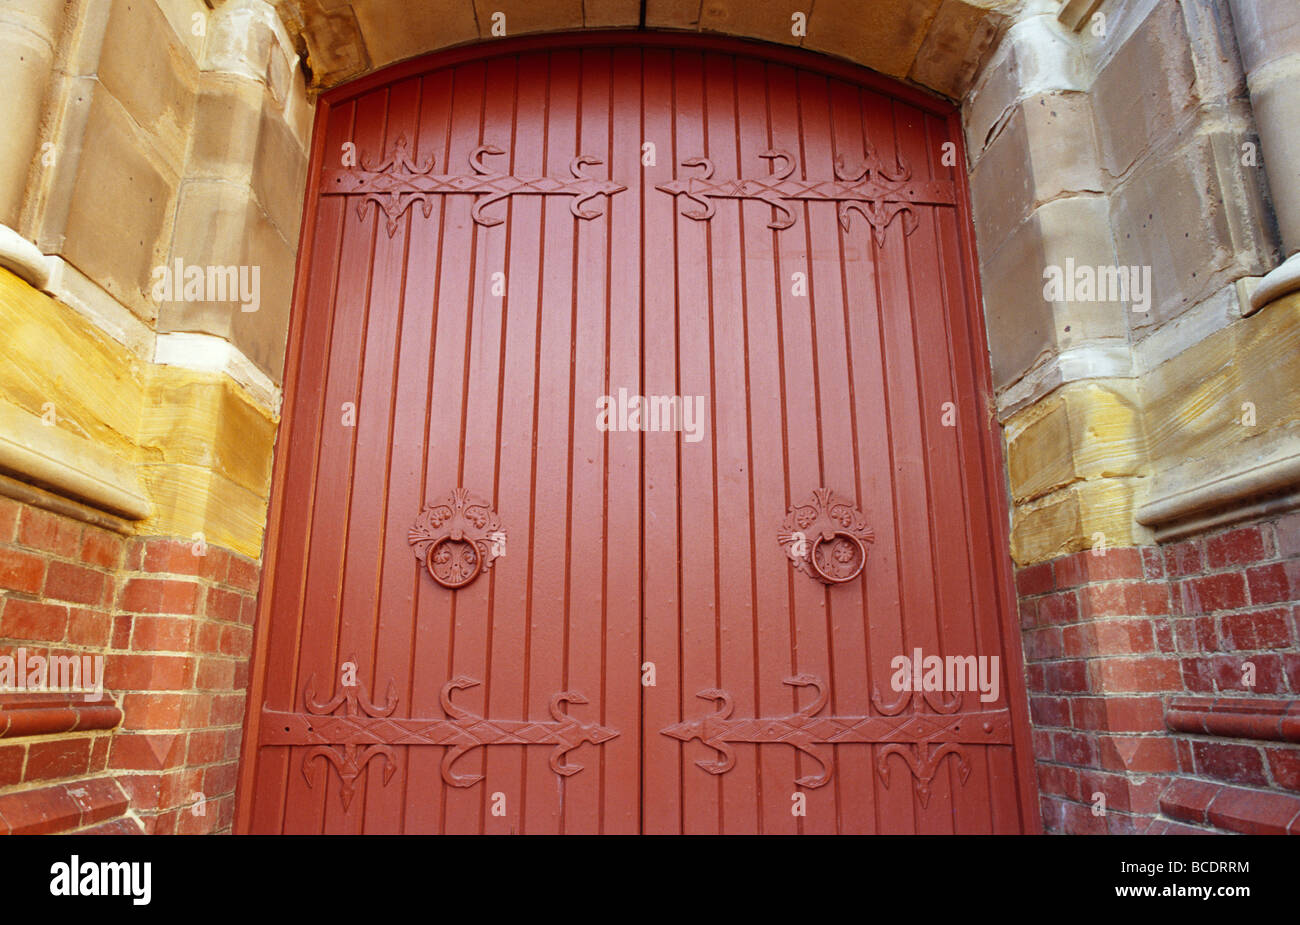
425, 655
897, 543
697, 514
436, 659
468, 806
773, 582
585, 515
878, 622
319, 658
301, 428
978, 472
663, 704
621, 641
360, 592
947, 630
586, 512
728, 418
511, 576
851, 782
549, 546
400, 806
916, 553
955, 553
804, 452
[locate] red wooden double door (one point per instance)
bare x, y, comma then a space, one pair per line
635, 426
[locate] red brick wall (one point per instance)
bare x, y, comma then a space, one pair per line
175, 630
1137, 665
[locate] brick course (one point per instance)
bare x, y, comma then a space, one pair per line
174, 628
1111, 641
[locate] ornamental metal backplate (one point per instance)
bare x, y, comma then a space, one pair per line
457, 539
826, 538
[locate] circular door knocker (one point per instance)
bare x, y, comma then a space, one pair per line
840, 559
826, 539
453, 563
457, 539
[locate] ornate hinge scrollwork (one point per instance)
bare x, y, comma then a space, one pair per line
876, 192
397, 182
349, 758
350, 731
921, 739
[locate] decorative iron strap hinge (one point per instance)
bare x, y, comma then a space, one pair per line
921, 740
875, 193
363, 731
397, 182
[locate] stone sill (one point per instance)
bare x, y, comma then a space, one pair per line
1203, 494
1282, 280
1236, 717
69, 464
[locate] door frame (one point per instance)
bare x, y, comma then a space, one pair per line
991, 450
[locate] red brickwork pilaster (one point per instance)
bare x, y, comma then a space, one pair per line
173, 622
1164, 683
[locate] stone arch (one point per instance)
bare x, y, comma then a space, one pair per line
936, 44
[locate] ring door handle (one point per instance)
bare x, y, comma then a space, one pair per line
457, 539
826, 538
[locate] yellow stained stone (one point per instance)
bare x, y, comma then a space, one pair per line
197, 441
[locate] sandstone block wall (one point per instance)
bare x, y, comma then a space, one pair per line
134, 430
151, 132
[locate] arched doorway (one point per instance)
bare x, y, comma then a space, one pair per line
635, 428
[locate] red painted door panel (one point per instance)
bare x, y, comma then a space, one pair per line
493, 245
